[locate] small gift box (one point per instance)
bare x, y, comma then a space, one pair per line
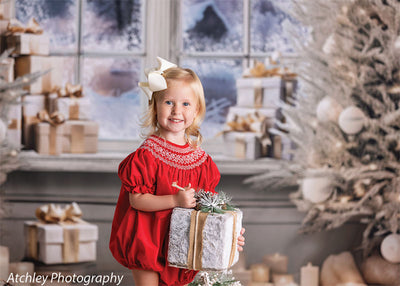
48, 133
31, 105
14, 125
259, 92
80, 136
245, 145
28, 44
204, 239
46, 83
250, 115
60, 236
7, 69
69, 101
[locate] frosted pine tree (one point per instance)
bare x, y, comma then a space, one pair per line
346, 121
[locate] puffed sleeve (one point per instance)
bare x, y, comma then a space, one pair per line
138, 172
211, 176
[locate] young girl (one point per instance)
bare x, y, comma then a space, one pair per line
171, 152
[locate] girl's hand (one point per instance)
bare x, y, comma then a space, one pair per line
185, 199
241, 240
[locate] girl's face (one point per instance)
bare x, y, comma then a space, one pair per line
176, 110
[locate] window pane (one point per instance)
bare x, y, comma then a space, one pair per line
112, 87
69, 68
266, 26
113, 25
212, 26
58, 18
218, 77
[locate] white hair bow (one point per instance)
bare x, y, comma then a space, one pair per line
155, 80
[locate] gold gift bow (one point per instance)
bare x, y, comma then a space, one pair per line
52, 213
195, 252
259, 70
15, 26
73, 92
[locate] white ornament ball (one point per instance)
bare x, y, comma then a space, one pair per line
351, 120
3, 130
316, 189
328, 109
390, 248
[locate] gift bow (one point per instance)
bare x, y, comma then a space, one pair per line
70, 90
15, 26
54, 119
52, 213
155, 80
259, 70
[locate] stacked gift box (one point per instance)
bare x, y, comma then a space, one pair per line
54, 119
249, 124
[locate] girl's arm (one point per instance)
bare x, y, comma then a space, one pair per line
152, 203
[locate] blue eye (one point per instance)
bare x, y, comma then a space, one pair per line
168, 102
186, 104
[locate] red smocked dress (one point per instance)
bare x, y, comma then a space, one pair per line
139, 240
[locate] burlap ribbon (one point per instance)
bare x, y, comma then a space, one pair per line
77, 139
195, 253
51, 213
15, 26
55, 120
74, 92
259, 70
15, 124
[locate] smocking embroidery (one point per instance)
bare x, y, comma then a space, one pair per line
186, 159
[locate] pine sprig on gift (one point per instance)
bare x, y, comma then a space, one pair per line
213, 278
213, 202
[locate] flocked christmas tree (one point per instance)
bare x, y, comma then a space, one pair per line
346, 119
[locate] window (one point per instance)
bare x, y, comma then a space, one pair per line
107, 43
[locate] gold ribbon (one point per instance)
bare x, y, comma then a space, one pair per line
77, 139
74, 109
15, 124
259, 70
195, 252
15, 26
52, 213
55, 119
70, 90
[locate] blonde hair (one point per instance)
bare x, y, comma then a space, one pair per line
149, 121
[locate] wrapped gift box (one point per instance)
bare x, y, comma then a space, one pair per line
7, 9
28, 44
3, 25
72, 108
48, 138
243, 145
60, 243
234, 111
209, 244
48, 82
14, 125
80, 136
7, 69
31, 105
259, 91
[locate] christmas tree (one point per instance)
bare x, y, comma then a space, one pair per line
345, 122
10, 94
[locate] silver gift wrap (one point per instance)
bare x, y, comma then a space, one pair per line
219, 235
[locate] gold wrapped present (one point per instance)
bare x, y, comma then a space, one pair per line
48, 82
60, 236
80, 136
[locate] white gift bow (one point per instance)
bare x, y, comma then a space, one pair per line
155, 80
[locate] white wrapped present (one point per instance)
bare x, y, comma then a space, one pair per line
60, 243
14, 125
31, 105
203, 241
72, 108
259, 91
7, 69
244, 145
46, 83
7, 9
251, 112
29, 44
